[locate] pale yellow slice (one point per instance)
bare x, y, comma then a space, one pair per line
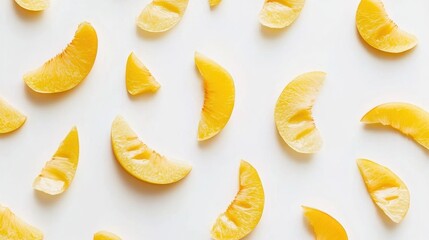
138, 78
13, 228
58, 173
280, 13
214, 3
104, 235
244, 213
293, 113
379, 31
10, 118
161, 15
324, 226
219, 97
33, 5
69, 68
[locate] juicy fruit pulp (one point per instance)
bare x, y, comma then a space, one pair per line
10, 118
58, 173
386, 189
13, 228
141, 161
280, 13
379, 31
161, 15
69, 68
33, 5
324, 226
293, 113
103, 235
219, 97
244, 213
138, 78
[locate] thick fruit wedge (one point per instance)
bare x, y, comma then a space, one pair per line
161, 15
58, 173
13, 228
104, 235
69, 68
10, 118
379, 31
324, 226
219, 97
33, 5
293, 113
141, 161
386, 189
244, 213
138, 78
280, 13
214, 2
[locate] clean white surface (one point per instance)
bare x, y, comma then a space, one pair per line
262, 62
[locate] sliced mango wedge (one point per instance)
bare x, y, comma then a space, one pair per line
280, 13
13, 228
104, 235
138, 78
161, 15
324, 226
33, 5
10, 118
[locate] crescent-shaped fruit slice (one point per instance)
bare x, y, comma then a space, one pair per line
379, 31
293, 113
324, 226
13, 228
214, 2
386, 189
280, 13
404, 117
219, 97
138, 78
10, 118
58, 173
244, 213
69, 68
141, 161
33, 5
104, 235
161, 15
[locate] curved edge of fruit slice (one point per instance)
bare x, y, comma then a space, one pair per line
161, 15
379, 31
293, 113
280, 13
219, 97
12, 227
104, 235
33, 5
10, 118
69, 68
324, 225
214, 3
141, 161
138, 77
59, 172
245, 212
386, 189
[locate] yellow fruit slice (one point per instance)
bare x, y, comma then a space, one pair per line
69, 68
386, 189
58, 173
219, 97
379, 31
33, 5
293, 113
280, 13
324, 226
244, 213
10, 118
161, 15
13, 228
104, 235
138, 78
141, 161
407, 118
214, 2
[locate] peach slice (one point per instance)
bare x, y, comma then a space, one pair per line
13, 228
33, 5
280, 13
10, 118
138, 78
161, 15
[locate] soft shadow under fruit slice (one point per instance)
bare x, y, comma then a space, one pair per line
33, 5
13, 228
104, 235
138, 78
324, 226
10, 118
280, 13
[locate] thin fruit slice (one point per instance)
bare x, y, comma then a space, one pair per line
219, 97
244, 213
13, 228
280, 13
141, 161
104, 235
69, 68
386, 189
33, 5
214, 3
293, 113
404, 117
161, 15
58, 173
10, 118
324, 226
138, 78
379, 31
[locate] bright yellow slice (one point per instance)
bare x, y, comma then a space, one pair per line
104, 235
244, 213
58, 173
407, 118
379, 31
161, 15
10, 118
69, 68
141, 161
214, 2
293, 113
386, 189
138, 78
280, 13
13, 228
324, 226
33, 5
219, 97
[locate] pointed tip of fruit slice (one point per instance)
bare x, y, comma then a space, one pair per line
10, 118
324, 225
13, 228
33, 5
138, 77
280, 13
161, 15
105, 235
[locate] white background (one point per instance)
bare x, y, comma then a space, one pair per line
262, 62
